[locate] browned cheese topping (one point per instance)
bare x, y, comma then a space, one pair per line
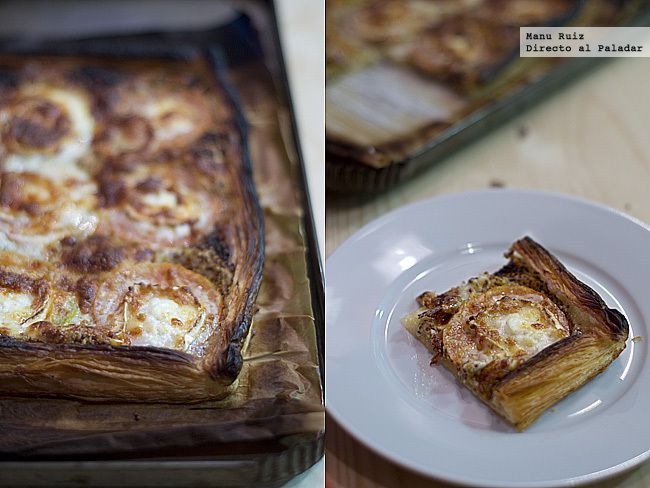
105, 172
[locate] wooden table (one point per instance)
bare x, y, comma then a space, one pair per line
589, 140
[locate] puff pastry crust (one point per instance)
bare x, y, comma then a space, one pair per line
131, 238
522, 338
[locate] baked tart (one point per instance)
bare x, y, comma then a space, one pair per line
461, 43
131, 238
522, 338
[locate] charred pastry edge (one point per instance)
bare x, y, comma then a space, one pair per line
229, 361
566, 288
149, 374
595, 328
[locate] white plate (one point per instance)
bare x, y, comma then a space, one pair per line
379, 384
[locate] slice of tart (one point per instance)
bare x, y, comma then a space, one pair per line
522, 338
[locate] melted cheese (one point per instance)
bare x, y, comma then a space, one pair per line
160, 317
526, 329
171, 117
129, 227
59, 212
176, 117
62, 164
72, 221
163, 199
176, 199
24, 298
165, 213
508, 322
16, 308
